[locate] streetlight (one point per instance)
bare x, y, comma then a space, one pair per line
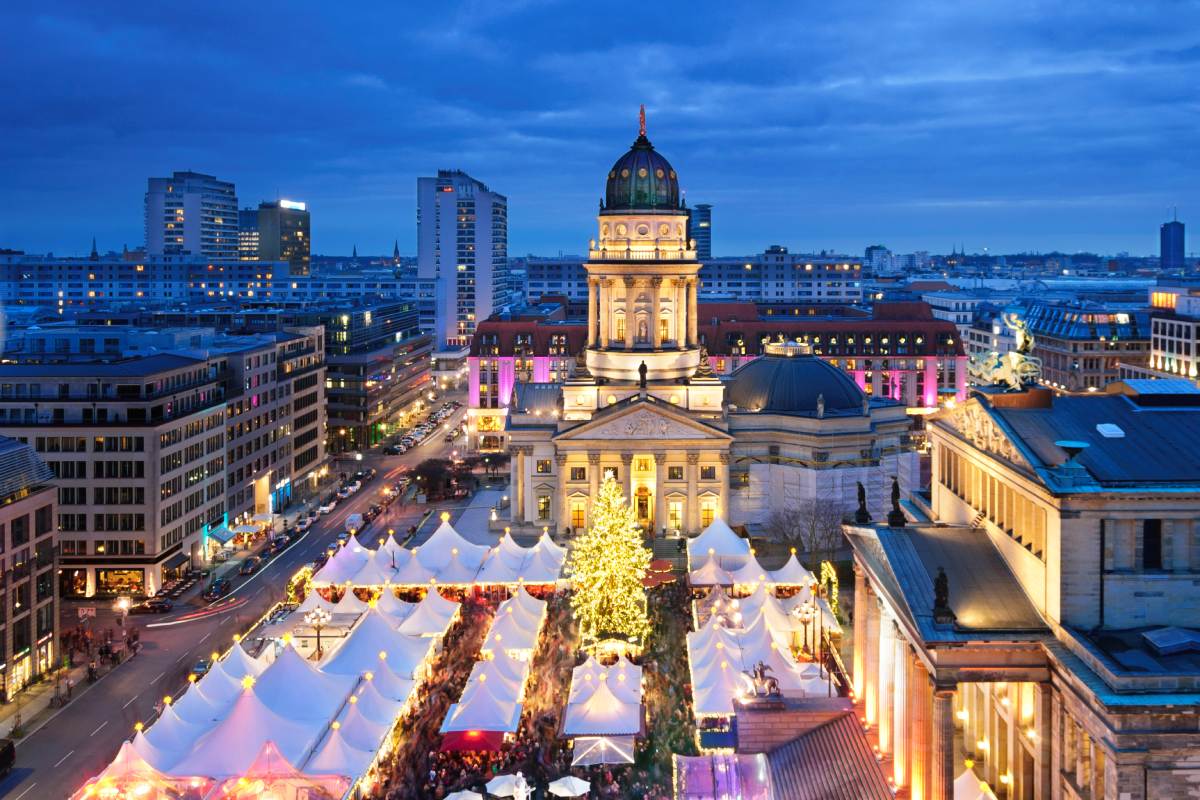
318, 618
123, 605
805, 613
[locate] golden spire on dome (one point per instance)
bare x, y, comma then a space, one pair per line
642, 120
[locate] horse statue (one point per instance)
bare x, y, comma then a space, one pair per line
762, 684
1016, 368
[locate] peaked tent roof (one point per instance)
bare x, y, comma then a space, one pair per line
602, 714
293, 687
342, 565
394, 607
349, 603
173, 734
432, 615
709, 573
314, 600
719, 538
237, 663
792, 573
441, 546
360, 730
335, 756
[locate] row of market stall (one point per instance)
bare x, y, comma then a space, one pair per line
280, 720
447, 558
752, 629
489, 710
604, 712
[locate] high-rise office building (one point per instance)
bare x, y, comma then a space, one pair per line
462, 244
278, 231
192, 214
700, 229
1170, 245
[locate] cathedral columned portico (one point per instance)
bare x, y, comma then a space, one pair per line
643, 403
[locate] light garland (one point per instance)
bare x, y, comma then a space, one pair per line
607, 564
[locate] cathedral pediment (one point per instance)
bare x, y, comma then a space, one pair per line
640, 422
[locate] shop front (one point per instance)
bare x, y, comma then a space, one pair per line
123, 581
73, 582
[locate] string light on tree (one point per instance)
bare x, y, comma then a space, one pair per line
607, 565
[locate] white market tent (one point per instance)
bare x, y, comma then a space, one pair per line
719, 540
349, 604
602, 713
447, 558
375, 639
968, 787
792, 573
432, 616
709, 573
387, 603
313, 601
293, 687
516, 626
335, 756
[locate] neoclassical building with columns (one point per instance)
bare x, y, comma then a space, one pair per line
1058, 657
644, 404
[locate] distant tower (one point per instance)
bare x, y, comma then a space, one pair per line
1170, 245
396, 253
193, 214
95, 256
354, 252
700, 229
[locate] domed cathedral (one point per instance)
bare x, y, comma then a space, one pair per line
687, 447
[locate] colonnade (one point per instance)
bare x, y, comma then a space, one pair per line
603, 303
1005, 728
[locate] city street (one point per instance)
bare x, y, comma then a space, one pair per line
80, 739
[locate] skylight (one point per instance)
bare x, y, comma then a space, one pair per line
1110, 430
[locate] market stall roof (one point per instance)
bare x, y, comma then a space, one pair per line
374, 705
447, 543
313, 600
156, 758
591, 750
374, 634
792, 573
717, 539
335, 756
277, 771
172, 734
395, 608
749, 573
197, 707
714, 690
431, 617
342, 565
295, 688
129, 771
602, 714
624, 680
232, 746
483, 711
412, 573
359, 730
349, 604
372, 574
709, 573
237, 663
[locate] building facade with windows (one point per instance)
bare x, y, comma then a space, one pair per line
192, 214
277, 231
462, 245
1083, 345
1034, 621
28, 584
137, 448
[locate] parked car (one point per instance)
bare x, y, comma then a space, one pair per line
250, 566
154, 605
392, 450
218, 589
328, 506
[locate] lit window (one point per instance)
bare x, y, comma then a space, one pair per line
543, 507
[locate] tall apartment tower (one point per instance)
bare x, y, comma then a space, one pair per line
700, 229
1170, 245
462, 245
192, 214
278, 231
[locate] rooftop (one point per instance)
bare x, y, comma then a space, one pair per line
129, 368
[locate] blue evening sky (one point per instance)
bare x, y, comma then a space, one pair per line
1009, 125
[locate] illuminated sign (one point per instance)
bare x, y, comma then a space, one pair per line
292, 204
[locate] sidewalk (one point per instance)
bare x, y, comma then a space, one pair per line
34, 703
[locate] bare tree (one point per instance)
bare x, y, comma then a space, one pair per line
813, 526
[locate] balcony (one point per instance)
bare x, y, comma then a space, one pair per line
656, 254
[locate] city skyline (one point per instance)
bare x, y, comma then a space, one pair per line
983, 127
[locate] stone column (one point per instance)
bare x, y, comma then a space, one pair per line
900, 709
564, 502
630, 319
723, 476
1042, 724
655, 299
518, 484
677, 310
1057, 748
920, 701
860, 630
692, 314
627, 475
595, 473
593, 312
887, 651
660, 497
692, 512
871, 662
605, 312
942, 751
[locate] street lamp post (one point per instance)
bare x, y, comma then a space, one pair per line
318, 618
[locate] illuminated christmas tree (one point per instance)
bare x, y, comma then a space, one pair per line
607, 565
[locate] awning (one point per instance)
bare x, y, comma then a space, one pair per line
176, 561
221, 533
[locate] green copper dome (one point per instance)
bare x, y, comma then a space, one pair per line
642, 180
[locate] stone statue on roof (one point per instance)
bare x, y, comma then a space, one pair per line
941, 599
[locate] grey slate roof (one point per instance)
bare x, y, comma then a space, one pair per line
1159, 445
20, 469
130, 368
833, 761
984, 594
